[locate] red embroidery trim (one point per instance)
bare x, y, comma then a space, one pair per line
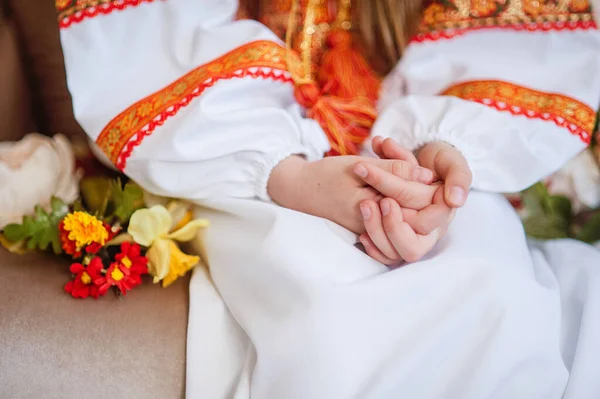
533, 27
557, 119
260, 59
173, 110
564, 111
93, 11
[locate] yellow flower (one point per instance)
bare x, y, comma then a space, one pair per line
84, 229
180, 263
153, 228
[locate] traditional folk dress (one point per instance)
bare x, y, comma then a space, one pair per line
193, 103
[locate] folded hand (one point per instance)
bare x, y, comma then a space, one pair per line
397, 228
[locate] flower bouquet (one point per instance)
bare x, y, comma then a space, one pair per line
567, 203
112, 231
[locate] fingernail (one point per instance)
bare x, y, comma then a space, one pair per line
457, 195
425, 175
360, 171
366, 212
385, 207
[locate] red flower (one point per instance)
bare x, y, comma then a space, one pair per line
130, 257
118, 276
68, 245
112, 231
95, 247
83, 285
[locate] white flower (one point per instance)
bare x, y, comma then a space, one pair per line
32, 171
153, 228
578, 180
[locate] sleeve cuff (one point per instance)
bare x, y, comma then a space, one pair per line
264, 169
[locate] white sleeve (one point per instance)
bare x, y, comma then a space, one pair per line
517, 103
186, 101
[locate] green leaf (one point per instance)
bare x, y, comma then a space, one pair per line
546, 227
78, 206
30, 225
14, 232
30, 245
41, 229
96, 192
56, 244
590, 231
533, 198
549, 216
41, 215
126, 200
58, 206
558, 205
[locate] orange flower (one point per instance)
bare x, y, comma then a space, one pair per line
79, 230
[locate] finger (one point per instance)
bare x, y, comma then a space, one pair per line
437, 215
376, 145
404, 170
374, 227
408, 194
410, 246
453, 168
374, 252
428, 219
457, 179
392, 150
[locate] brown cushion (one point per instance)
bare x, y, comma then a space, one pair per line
38, 28
15, 115
53, 346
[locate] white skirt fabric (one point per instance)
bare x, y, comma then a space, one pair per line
292, 309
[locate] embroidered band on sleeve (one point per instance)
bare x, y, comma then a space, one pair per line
260, 59
564, 111
75, 11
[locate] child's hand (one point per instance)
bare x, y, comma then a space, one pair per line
395, 232
328, 188
447, 163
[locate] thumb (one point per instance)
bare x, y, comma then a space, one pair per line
457, 178
453, 169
